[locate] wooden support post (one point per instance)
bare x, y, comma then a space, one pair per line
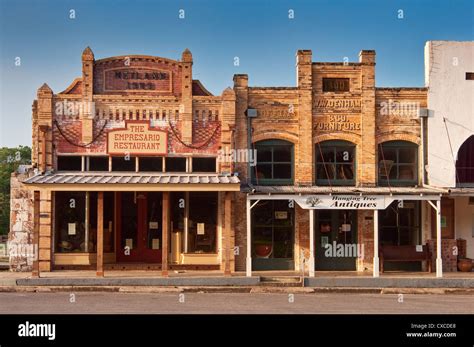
165, 222
100, 234
36, 212
227, 232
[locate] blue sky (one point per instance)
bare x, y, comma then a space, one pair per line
260, 33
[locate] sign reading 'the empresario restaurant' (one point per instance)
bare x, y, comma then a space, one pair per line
137, 139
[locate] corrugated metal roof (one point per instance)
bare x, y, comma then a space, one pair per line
130, 178
343, 190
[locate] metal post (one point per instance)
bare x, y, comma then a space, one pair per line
311, 243
249, 244
439, 260
376, 244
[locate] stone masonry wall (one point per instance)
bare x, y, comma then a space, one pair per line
20, 238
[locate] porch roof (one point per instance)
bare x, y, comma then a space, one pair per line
108, 181
344, 190
468, 191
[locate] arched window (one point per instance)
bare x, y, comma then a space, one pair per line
398, 163
335, 163
275, 160
465, 164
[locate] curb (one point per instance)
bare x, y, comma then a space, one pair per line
234, 290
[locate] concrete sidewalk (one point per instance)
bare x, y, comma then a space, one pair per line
214, 281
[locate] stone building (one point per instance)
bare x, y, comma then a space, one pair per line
137, 165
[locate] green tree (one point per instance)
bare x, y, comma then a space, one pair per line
10, 159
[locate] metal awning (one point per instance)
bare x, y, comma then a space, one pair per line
344, 190
120, 181
468, 191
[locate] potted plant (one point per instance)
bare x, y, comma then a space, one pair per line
465, 264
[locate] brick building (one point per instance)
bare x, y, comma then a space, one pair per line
137, 165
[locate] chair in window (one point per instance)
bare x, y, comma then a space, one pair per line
385, 166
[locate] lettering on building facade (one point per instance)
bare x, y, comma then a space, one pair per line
137, 138
349, 123
277, 112
142, 79
331, 105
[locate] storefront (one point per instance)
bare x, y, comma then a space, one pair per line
127, 173
336, 241
139, 166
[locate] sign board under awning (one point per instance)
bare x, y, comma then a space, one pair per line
344, 202
137, 139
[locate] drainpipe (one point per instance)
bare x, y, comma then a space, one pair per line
250, 113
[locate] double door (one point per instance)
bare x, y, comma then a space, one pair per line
140, 227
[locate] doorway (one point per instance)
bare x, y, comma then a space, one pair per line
273, 235
336, 247
140, 227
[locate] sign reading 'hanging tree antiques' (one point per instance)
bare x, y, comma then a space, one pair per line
137, 139
344, 202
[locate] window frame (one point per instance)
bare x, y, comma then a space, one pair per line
335, 144
274, 181
397, 146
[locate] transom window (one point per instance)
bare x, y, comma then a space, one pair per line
398, 163
69, 163
274, 163
335, 163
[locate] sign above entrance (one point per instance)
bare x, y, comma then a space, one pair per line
137, 139
344, 202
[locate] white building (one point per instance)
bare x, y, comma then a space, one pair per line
449, 75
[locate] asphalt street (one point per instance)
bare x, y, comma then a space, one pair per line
232, 303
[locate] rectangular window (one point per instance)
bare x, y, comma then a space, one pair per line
98, 163
469, 75
204, 164
337, 85
69, 163
123, 163
70, 220
335, 163
108, 219
274, 163
202, 222
398, 163
175, 164
400, 224
151, 164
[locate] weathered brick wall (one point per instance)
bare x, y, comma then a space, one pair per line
450, 259
355, 116
20, 238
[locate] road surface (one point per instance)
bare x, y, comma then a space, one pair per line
235, 303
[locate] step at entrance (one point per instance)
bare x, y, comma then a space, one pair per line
281, 281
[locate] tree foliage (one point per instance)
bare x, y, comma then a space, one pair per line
10, 159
